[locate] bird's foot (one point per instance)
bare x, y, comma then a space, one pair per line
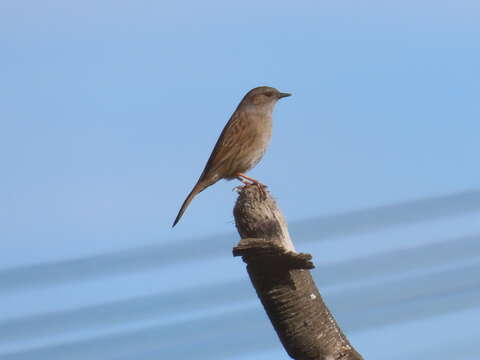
248, 181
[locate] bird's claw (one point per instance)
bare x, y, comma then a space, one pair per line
261, 187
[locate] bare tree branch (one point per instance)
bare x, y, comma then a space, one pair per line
283, 283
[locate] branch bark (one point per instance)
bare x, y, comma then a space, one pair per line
283, 283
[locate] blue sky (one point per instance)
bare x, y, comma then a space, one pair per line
109, 111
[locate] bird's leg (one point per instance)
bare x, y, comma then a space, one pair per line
245, 182
243, 178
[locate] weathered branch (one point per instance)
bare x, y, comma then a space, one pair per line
283, 283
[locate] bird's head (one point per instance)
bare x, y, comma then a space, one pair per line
264, 94
263, 97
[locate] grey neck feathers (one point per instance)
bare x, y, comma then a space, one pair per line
262, 109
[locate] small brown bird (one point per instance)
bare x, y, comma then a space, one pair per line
241, 144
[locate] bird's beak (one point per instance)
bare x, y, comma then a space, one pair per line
282, 95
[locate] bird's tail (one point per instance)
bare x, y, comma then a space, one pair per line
199, 187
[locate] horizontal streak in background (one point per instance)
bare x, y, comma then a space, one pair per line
394, 302
161, 305
156, 256
466, 349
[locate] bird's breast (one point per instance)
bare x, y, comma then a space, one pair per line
257, 142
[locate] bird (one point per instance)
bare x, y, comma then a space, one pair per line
242, 142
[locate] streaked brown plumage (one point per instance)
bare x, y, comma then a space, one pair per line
242, 142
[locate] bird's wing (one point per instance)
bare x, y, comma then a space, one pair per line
227, 144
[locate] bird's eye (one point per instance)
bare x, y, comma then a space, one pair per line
269, 94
